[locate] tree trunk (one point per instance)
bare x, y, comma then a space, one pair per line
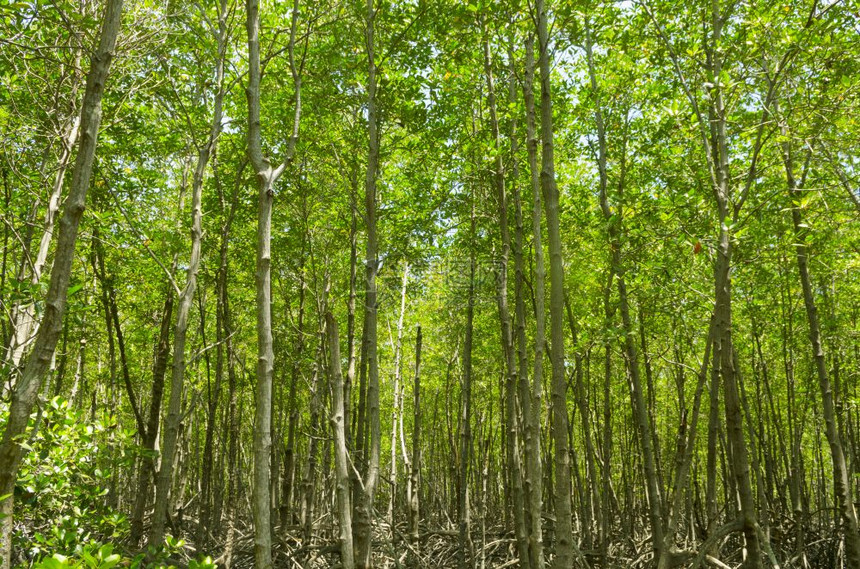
615, 231
23, 319
39, 361
413, 490
288, 476
150, 434
507, 336
342, 482
183, 313
397, 407
186, 300
466, 549
841, 478
363, 505
565, 546
534, 467
723, 356
215, 394
266, 177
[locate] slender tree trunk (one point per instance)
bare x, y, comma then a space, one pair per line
288, 475
466, 549
397, 407
266, 178
734, 422
214, 394
413, 490
161, 357
507, 335
606, 480
565, 547
363, 506
640, 410
534, 467
265, 368
39, 361
590, 509
841, 478
23, 318
224, 352
309, 475
149, 435
183, 313
186, 300
265, 356
342, 478
350, 307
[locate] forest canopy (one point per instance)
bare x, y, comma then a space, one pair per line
429, 283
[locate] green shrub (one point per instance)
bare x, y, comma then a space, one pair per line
96, 556
90, 557
60, 496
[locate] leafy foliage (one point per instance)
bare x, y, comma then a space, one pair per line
65, 478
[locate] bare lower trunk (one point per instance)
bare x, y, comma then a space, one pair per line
183, 313
615, 230
150, 435
309, 473
215, 393
342, 483
397, 408
724, 358
465, 551
413, 491
177, 379
265, 366
288, 475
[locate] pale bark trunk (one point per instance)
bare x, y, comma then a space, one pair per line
342, 478
350, 308
266, 177
565, 547
265, 367
183, 312
265, 357
215, 393
397, 408
534, 467
39, 361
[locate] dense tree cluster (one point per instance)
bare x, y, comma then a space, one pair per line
431, 283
